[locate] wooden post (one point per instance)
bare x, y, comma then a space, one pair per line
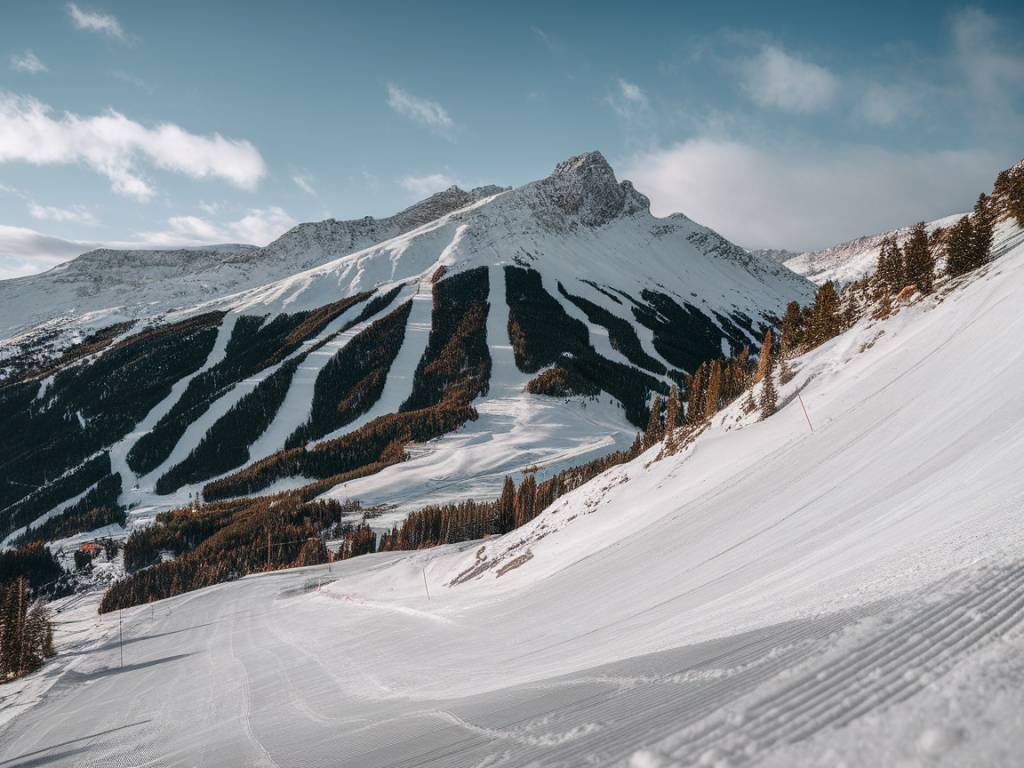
805, 411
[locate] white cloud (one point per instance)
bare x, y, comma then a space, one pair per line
111, 144
27, 62
304, 181
76, 215
429, 113
262, 225
94, 21
424, 186
628, 100
632, 92
801, 198
259, 226
195, 228
25, 251
775, 78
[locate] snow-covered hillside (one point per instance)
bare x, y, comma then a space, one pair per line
853, 260
843, 587
640, 300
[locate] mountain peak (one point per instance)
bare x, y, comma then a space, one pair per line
584, 187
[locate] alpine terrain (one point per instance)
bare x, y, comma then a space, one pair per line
472, 335
523, 477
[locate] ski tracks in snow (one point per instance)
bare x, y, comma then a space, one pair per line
877, 663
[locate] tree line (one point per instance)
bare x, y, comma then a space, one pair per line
49, 427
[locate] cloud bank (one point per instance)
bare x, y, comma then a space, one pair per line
113, 146
800, 198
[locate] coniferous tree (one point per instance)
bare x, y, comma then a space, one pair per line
769, 396
671, 418
791, 324
525, 500
960, 247
654, 430
695, 396
765, 357
825, 314
1010, 188
891, 266
742, 364
714, 393
920, 265
982, 225
26, 636
507, 506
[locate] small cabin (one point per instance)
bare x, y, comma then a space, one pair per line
90, 548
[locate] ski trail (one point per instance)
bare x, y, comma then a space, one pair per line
398, 386
119, 451
198, 428
298, 403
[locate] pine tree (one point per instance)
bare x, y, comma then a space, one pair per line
695, 396
982, 225
825, 315
672, 418
1010, 188
506, 507
26, 636
891, 266
791, 323
882, 268
765, 357
920, 265
653, 433
959, 247
714, 393
769, 397
525, 499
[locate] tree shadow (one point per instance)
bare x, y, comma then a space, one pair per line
136, 639
74, 676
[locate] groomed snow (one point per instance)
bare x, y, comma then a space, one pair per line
851, 595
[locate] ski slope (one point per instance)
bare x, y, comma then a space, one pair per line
515, 430
771, 595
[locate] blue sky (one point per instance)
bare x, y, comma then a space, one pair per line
790, 127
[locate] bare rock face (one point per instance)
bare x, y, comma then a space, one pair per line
583, 190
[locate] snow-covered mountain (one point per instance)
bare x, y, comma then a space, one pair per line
853, 260
103, 284
838, 584
481, 331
